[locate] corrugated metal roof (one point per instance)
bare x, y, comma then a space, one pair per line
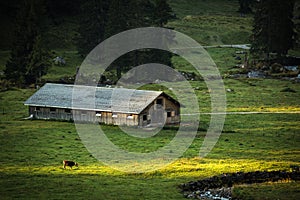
92, 98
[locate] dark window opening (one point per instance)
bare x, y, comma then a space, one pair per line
159, 101
144, 117
67, 110
169, 114
52, 109
37, 108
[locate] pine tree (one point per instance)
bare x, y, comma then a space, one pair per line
162, 13
22, 45
39, 62
59, 9
297, 25
245, 6
27, 29
154, 13
273, 31
128, 14
92, 24
120, 18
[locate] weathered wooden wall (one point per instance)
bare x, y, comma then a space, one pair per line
160, 112
84, 116
118, 118
51, 113
173, 112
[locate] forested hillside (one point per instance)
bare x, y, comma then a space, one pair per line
70, 30
64, 18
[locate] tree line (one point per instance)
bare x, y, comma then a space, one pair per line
273, 31
98, 20
116, 16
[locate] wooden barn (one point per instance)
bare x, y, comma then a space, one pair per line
118, 106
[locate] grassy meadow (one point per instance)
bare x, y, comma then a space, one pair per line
32, 150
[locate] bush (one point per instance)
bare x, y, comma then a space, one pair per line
5, 85
276, 68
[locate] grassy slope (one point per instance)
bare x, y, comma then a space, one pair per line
215, 29
184, 8
212, 22
32, 151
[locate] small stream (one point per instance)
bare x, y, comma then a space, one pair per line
223, 193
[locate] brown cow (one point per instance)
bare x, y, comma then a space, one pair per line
69, 163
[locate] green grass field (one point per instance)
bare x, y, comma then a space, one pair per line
32, 151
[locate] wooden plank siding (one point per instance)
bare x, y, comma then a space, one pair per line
160, 111
118, 118
51, 113
84, 116
172, 112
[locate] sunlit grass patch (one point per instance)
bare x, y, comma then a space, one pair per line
183, 167
206, 167
97, 169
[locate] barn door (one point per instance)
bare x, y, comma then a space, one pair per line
158, 116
